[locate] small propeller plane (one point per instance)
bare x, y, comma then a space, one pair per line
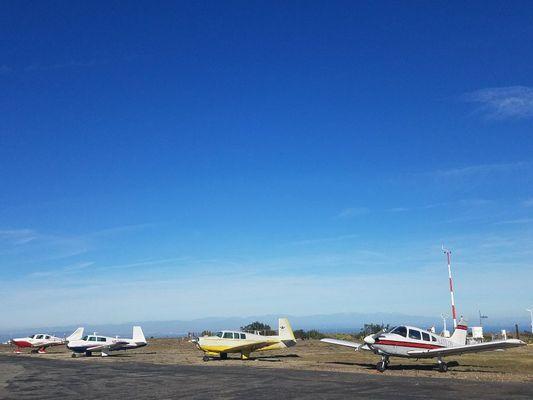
104, 344
412, 342
40, 341
245, 343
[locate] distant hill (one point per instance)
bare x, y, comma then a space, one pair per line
340, 322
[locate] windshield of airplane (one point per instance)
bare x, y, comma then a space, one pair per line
84, 338
218, 334
400, 330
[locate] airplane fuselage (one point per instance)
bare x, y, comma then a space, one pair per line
399, 344
89, 343
40, 341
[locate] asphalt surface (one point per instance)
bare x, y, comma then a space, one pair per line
34, 378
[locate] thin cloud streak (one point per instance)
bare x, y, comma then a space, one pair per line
480, 169
512, 102
324, 240
353, 212
516, 221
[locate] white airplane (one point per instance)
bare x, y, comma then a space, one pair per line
105, 344
39, 342
245, 343
412, 342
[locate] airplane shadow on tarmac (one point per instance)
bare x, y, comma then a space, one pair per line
405, 367
258, 358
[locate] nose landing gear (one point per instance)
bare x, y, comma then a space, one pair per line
443, 367
383, 364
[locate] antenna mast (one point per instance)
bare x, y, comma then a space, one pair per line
448, 257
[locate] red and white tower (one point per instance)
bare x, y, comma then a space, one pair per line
449, 256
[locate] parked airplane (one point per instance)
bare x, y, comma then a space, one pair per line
39, 342
412, 342
104, 344
245, 343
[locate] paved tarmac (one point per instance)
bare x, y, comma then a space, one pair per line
34, 378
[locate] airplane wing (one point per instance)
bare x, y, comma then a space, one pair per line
109, 347
469, 348
345, 343
250, 347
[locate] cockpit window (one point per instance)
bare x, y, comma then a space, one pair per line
31, 337
84, 338
39, 336
401, 330
433, 339
92, 338
219, 334
414, 334
47, 337
228, 335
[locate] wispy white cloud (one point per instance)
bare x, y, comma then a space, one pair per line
325, 239
70, 269
516, 221
17, 237
353, 212
503, 102
528, 203
480, 169
398, 209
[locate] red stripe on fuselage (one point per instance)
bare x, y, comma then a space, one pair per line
21, 343
463, 327
408, 344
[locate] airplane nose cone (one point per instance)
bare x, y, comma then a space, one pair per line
369, 339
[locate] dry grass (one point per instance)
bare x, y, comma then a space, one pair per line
511, 365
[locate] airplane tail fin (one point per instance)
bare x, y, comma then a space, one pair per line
76, 335
459, 335
285, 330
138, 335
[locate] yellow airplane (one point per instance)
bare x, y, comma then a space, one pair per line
245, 343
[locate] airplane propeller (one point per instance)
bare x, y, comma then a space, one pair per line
371, 339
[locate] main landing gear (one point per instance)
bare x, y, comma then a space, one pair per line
208, 356
443, 367
383, 364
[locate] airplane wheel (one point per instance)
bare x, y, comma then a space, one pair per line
223, 356
34, 351
443, 367
73, 355
381, 366
88, 354
205, 358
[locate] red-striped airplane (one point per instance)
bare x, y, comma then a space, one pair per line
412, 342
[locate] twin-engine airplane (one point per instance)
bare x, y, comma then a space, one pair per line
39, 342
104, 344
245, 343
411, 342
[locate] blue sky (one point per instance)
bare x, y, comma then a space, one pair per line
184, 160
